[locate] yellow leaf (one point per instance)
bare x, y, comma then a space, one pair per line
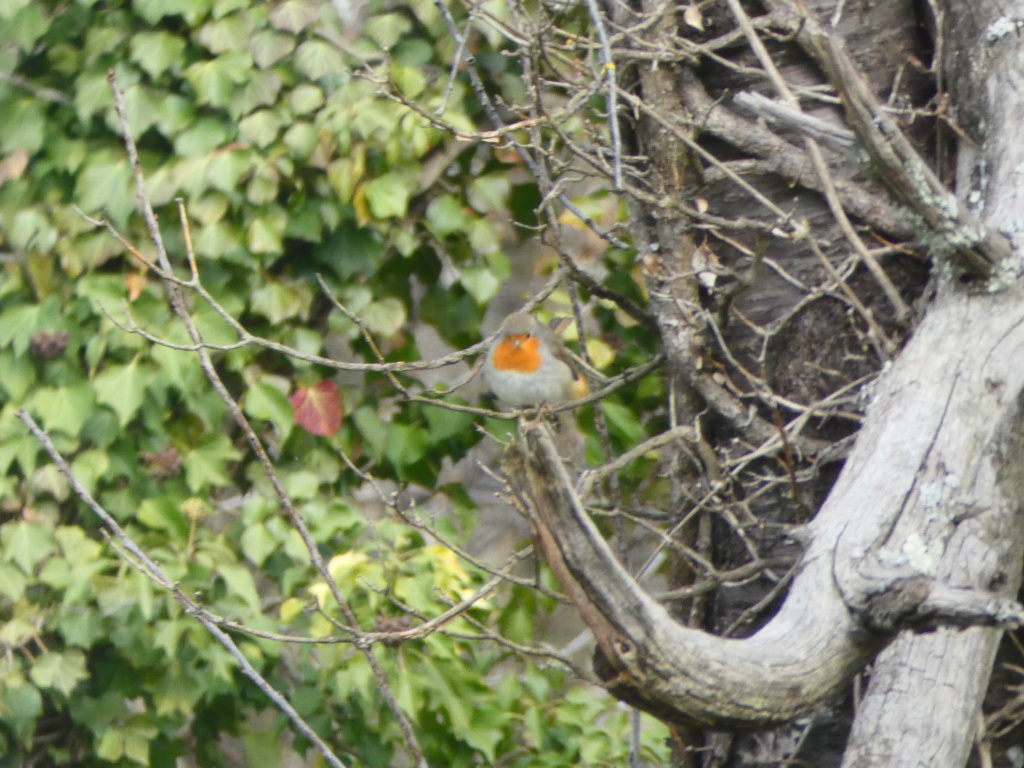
447, 562
290, 608
571, 219
342, 567
361, 206
319, 592
601, 353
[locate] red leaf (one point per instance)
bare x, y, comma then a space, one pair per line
317, 408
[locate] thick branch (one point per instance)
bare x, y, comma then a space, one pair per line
652, 661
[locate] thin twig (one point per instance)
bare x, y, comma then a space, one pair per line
608, 71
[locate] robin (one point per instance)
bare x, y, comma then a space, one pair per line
528, 364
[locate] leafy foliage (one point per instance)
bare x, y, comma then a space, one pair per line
274, 131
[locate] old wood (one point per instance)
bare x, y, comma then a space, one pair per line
928, 503
965, 365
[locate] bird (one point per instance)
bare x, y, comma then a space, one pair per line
528, 365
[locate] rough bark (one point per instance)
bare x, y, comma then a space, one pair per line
956, 402
924, 524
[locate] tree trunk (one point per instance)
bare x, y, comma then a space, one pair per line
924, 524
954, 427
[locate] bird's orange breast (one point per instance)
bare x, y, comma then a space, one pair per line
517, 352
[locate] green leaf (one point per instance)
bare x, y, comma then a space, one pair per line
265, 233
10, 8
444, 423
265, 401
240, 583
88, 467
481, 284
262, 187
48, 479
17, 325
24, 126
164, 514
385, 317
446, 215
301, 138
79, 626
30, 227
123, 388
405, 445
388, 195
201, 138
27, 26
12, 581
344, 174
373, 429
306, 98
152, 11
411, 82
215, 81
21, 705
268, 47
386, 29
26, 544
103, 186
318, 58
489, 192
294, 15
206, 465
64, 409
302, 485
229, 33
278, 301
261, 127
623, 421
261, 90
157, 52
258, 544
484, 237
18, 377
59, 671
141, 106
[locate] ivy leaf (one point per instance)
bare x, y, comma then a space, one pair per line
305, 98
385, 317
481, 283
205, 465
405, 445
26, 544
59, 671
446, 215
489, 192
388, 195
318, 408
268, 47
258, 544
294, 15
17, 325
123, 388
265, 401
279, 301
240, 583
260, 127
318, 58
66, 408
216, 80
21, 705
226, 34
156, 52
386, 29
